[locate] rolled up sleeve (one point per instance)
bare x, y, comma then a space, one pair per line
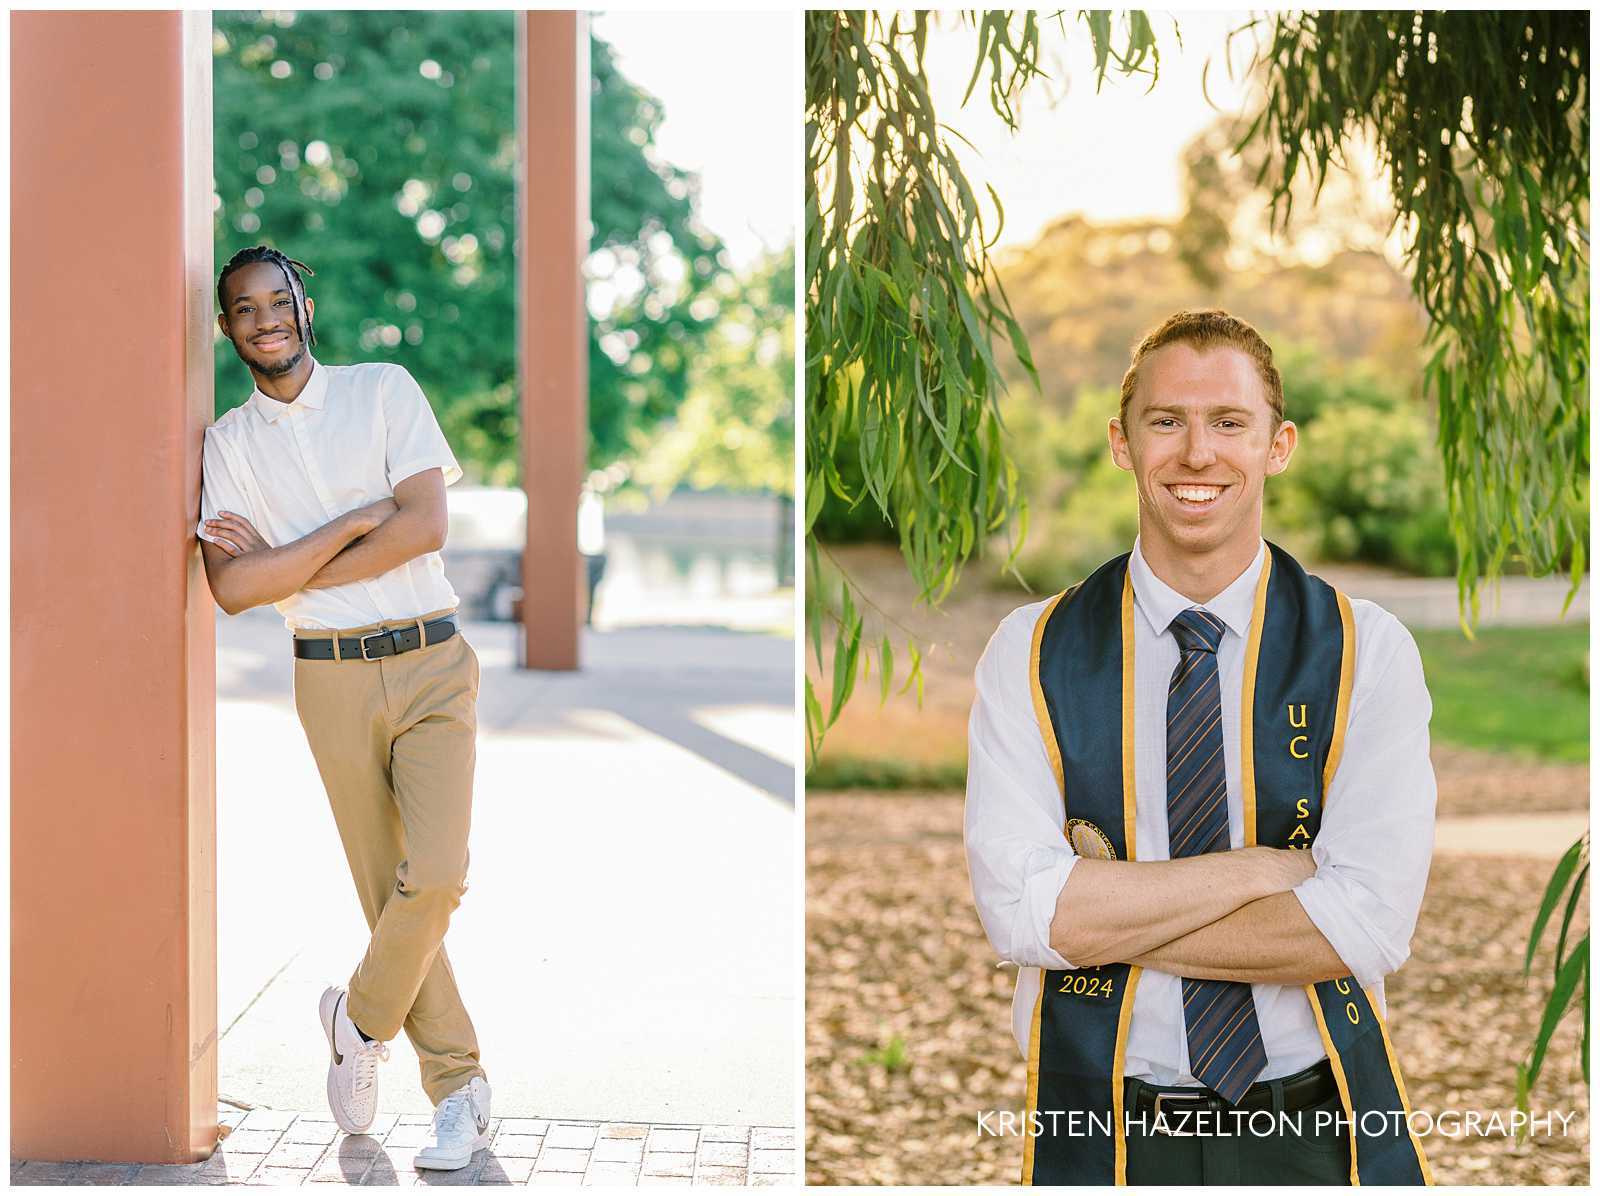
1375, 843
1017, 858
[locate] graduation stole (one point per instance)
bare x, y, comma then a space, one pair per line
1295, 706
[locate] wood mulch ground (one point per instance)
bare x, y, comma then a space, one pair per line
894, 948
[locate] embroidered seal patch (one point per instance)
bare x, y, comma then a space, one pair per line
1088, 840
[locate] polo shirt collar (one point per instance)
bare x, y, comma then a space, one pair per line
314, 394
1161, 603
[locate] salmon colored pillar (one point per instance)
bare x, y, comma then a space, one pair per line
553, 236
113, 650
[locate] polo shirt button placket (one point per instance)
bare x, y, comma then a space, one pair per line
309, 460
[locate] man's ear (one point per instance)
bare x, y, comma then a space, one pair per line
222, 323
1119, 445
1283, 445
311, 309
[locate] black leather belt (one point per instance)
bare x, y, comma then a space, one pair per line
1300, 1091
378, 644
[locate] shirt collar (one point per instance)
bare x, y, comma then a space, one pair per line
316, 390
1161, 603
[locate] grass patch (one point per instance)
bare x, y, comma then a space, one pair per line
855, 772
1522, 690
892, 1057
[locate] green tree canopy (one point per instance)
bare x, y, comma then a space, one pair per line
380, 148
1482, 122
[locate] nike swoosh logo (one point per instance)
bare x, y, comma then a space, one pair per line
333, 1036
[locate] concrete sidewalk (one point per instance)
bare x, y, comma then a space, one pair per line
627, 943
279, 1149
1431, 602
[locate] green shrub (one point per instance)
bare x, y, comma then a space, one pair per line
1082, 509
1367, 483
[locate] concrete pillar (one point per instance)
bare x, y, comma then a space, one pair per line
553, 236
113, 660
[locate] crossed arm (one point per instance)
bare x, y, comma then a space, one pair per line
1225, 916
245, 571
1254, 914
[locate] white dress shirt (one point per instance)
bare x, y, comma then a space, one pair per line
1372, 850
349, 438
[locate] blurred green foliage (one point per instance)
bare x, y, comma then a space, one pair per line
380, 148
735, 430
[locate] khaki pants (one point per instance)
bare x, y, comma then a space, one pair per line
395, 740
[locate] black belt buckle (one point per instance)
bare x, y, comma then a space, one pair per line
394, 644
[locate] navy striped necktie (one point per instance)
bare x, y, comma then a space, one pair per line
1225, 1049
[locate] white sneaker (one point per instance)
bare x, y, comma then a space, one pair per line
352, 1066
460, 1127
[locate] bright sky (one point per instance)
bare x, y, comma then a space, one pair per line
1108, 156
728, 86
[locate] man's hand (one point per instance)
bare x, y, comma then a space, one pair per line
1290, 866
376, 512
234, 534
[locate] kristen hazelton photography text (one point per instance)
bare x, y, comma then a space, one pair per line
1262, 1123
1157, 567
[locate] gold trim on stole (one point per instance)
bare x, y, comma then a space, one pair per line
1341, 715
1341, 720
1129, 802
1347, 675
1338, 1078
1053, 751
1119, 1058
1040, 710
1247, 703
1042, 713
1400, 1083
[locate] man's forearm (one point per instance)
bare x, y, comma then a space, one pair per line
272, 574
402, 537
1116, 909
1269, 941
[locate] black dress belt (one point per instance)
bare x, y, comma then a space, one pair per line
1301, 1090
378, 644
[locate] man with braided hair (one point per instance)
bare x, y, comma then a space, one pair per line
324, 494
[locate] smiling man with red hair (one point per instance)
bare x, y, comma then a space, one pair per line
1200, 817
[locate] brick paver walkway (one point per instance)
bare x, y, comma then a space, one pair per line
265, 1146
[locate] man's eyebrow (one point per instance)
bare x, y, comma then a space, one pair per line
244, 298
1224, 409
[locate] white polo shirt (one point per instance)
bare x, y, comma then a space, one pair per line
351, 436
1372, 850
